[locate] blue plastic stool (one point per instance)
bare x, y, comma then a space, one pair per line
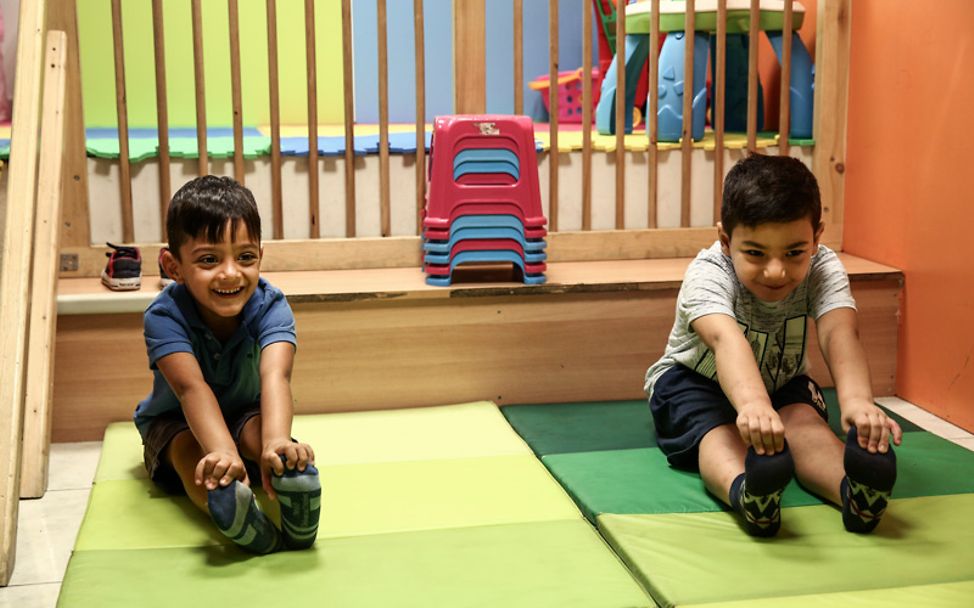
485, 166
487, 255
486, 154
465, 234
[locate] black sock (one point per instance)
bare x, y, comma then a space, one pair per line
299, 493
866, 488
235, 512
756, 493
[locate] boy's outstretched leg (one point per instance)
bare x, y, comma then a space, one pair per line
756, 493
235, 512
299, 493
866, 488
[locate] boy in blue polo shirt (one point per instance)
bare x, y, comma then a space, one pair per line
221, 344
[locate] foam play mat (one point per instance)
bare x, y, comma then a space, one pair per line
687, 549
439, 506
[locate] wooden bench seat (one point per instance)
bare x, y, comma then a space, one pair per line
382, 338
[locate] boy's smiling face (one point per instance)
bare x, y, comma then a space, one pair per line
771, 259
221, 277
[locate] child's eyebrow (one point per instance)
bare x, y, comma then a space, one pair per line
754, 244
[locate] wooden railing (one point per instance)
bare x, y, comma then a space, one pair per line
469, 74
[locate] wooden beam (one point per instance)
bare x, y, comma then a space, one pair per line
784, 103
17, 222
310, 47
202, 162
236, 96
348, 85
586, 116
75, 223
43, 301
121, 110
382, 44
553, 156
420, 48
831, 108
686, 137
519, 56
620, 110
469, 65
720, 94
652, 118
273, 89
162, 114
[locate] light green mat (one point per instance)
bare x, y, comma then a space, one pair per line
947, 595
705, 557
140, 148
143, 148
558, 564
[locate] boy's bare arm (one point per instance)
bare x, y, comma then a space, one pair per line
221, 463
277, 412
838, 336
758, 423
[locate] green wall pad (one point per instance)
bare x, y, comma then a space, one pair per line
583, 427
641, 481
947, 595
705, 557
556, 564
356, 500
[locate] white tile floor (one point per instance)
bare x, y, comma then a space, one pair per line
48, 526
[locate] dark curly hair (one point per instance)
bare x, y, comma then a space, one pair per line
202, 207
763, 189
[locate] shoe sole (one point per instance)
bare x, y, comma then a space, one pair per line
117, 284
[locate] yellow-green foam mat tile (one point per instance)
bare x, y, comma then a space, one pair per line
944, 595
121, 454
465, 430
403, 496
563, 564
705, 557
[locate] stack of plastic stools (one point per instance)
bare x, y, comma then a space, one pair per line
483, 201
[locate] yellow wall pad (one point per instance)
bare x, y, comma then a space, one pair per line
561, 563
356, 500
705, 557
947, 595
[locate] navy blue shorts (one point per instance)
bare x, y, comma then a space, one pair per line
165, 427
686, 406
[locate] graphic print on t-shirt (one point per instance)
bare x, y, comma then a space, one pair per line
779, 359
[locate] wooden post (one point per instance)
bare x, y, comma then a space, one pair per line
312, 71
586, 116
752, 76
831, 107
121, 108
273, 88
519, 56
420, 47
203, 164
385, 219
784, 113
75, 224
233, 14
686, 139
349, 101
16, 242
43, 303
620, 117
652, 115
469, 46
553, 115
720, 94
162, 113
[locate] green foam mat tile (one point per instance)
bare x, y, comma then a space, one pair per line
640, 481
835, 415
219, 147
946, 595
560, 564
928, 465
121, 454
140, 148
465, 430
705, 557
583, 427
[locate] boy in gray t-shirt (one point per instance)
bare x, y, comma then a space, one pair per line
731, 387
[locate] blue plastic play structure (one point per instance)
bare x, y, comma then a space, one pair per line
672, 83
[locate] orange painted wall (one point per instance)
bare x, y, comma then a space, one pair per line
909, 198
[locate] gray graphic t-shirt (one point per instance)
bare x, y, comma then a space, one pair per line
776, 331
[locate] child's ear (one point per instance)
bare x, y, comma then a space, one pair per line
724, 239
171, 265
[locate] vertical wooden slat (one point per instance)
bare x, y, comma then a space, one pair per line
469, 48
383, 54
586, 116
553, 115
75, 222
43, 302
162, 113
233, 14
686, 139
312, 72
831, 105
349, 104
784, 113
203, 162
752, 77
620, 118
652, 117
121, 108
273, 86
720, 93
16, 223
419, 39
519, 57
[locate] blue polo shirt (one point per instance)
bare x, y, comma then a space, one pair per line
232, 369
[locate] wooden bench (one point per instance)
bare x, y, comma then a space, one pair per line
377, 339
